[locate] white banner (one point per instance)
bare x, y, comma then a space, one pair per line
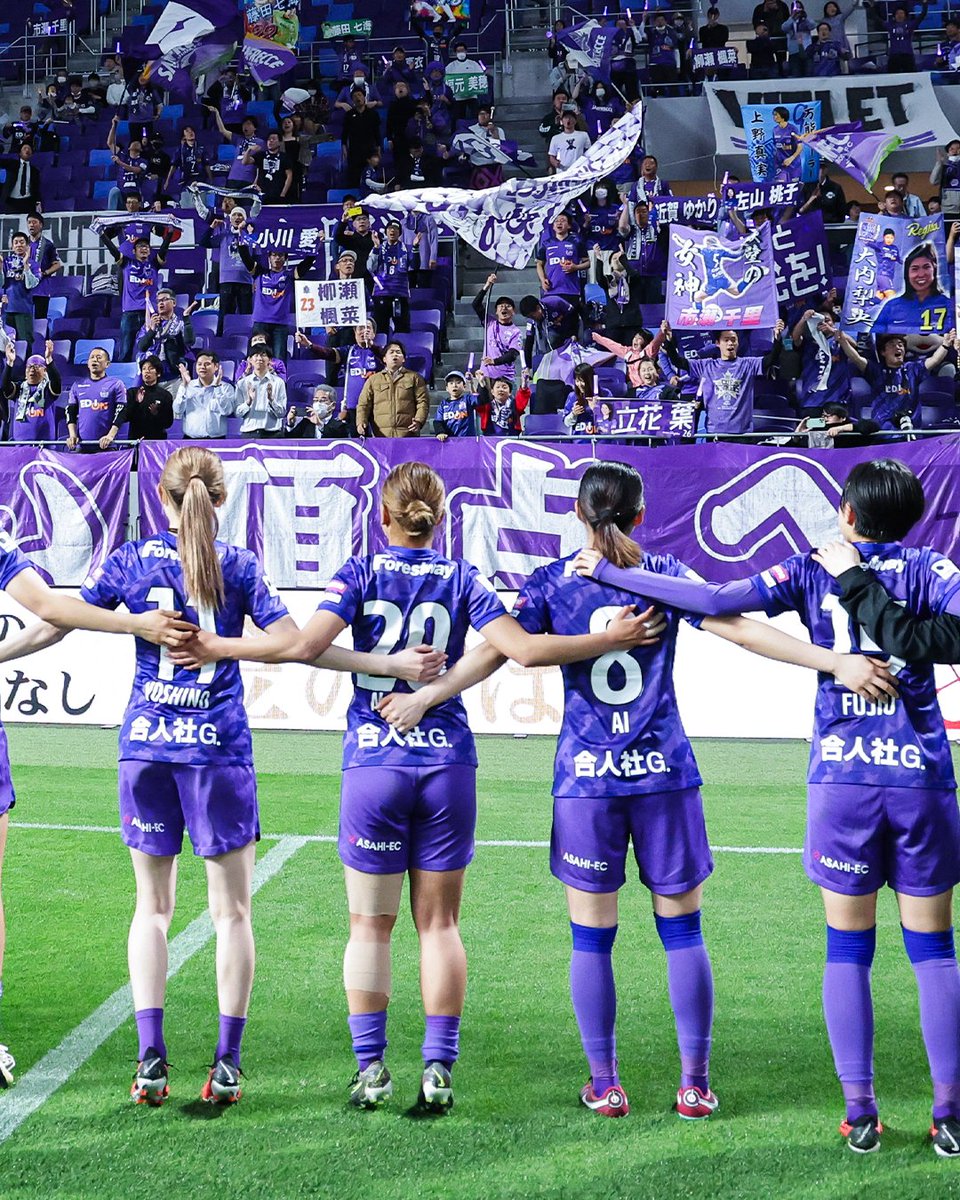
906, 105
331, 302
505, 222
723, 691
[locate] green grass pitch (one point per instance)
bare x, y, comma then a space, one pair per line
517, 1129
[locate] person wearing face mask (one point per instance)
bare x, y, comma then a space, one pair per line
463, 110
623, 60
318, 419
359, 80
601, 109
601, 231
946, 176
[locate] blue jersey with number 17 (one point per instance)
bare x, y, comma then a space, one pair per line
621, 733
891, 743
403, 598
195, 718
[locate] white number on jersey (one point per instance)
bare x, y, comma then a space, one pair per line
389, 640
632, 684
164, 598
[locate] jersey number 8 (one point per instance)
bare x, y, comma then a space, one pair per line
632, 684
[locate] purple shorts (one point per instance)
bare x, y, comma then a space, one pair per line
861, 837
395, 818
590, 840
216, 805
7, 798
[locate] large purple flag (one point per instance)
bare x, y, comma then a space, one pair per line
858, 153
727, 510
66, 512
590, 45
271, 32
716, 284
188, 40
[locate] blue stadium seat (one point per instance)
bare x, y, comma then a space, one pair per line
261, 109
101, 192
172, 112
83, 346
129, 373
56, 308
100, 158
543, 424
225, 153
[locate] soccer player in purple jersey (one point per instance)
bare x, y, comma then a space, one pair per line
408, 803
624, 769
186, 754
882, 804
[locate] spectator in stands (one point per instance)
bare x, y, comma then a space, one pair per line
763, 58
142, 107
261, 397
30, 400
112, 79
158, 168
556, 50
276, 173
273, 293
853, 211
399, 114
203, 404
836, 18
948, 57
166, 335
78, 103
95, 405
894, 382
566, 147
773, 14
601, 231
422, 238
96, 89
149, 408
826, 195
560, 259
502, 340
190, 164
645, 253
649, 184
912, 205
299, 147
827, 55
44, 261
463, 109
360, 136
235, 281
394, 402
832, 426
250, 149
662, 48
727, 382
373, 180
644, 347
578, 409
415, 168
318, 419
357, 361
389, 265
22, 189
499, 406
440, 97
824, 366
131, 167
455, 415
17, 279
900, 28
277, 365
349, 58
423, 126
799, 30
344, 98
946, 174
552, 122
228, 98
713, 35
623, 59
892, 203
354, 234
400, 71
140, 268
22, 130
551, 321
600, 109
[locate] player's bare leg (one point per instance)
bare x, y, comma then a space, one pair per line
156, 880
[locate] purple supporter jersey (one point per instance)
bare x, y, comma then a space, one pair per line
195, 718
890, 743
727, 391
140, 280
360, 365
553, 253
232, 267
272, 294
498, 340
399, 598
94, 404
621, 733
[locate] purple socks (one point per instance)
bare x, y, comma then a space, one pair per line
441, 1040
231, 1034
594, 996
690, 982
150, 1031
848, 1011
369, 1034
934, 962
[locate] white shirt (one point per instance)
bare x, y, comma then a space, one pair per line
204, 409
566, 148
262, 402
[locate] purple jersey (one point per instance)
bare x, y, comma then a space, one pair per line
824, 373
553, 253
499, 340
727, 391
404, 597
128, 179
94, 405
232, 267
621, 733
390, 265
361, 364
195, 718
891, 742
140, 280
32, 413
895, 390
272, 295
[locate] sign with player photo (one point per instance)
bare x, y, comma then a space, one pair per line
716, 284
773, 141
331, 302
468, 86
899, 278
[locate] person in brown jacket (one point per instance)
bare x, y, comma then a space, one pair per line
394, 402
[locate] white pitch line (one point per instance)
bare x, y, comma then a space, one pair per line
331, 839
44, 1078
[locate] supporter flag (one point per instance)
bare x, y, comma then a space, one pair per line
590, 45
560, 363
188, 40
775, 137
483, 150
716, 284
505, 222
858, 153
271, 32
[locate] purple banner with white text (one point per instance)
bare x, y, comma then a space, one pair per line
66, 512
713, 283
728, 511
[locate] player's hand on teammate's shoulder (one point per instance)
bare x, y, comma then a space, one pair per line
164, 628
630, 628
403, 712
196, 651
837, 557
867, 677
587, 561
419, 664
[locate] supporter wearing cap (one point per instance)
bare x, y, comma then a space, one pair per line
400, 71
31, 399
389, 264
502, 340
455, 415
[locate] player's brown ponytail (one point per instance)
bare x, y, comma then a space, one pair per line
193, 479
414, 496
610, 498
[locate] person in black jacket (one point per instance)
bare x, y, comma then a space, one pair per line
166, 335
149, 407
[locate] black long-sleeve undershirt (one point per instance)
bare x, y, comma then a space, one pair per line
895, 629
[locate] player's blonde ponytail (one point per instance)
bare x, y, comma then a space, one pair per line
610, 499
193, 480
414, 496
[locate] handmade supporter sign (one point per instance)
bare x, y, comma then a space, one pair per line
773, 141
713, 60
899, 279
330, 302
744, 197
801, 259
271, 32
646, 418
468, 85
355, 27
713, 283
